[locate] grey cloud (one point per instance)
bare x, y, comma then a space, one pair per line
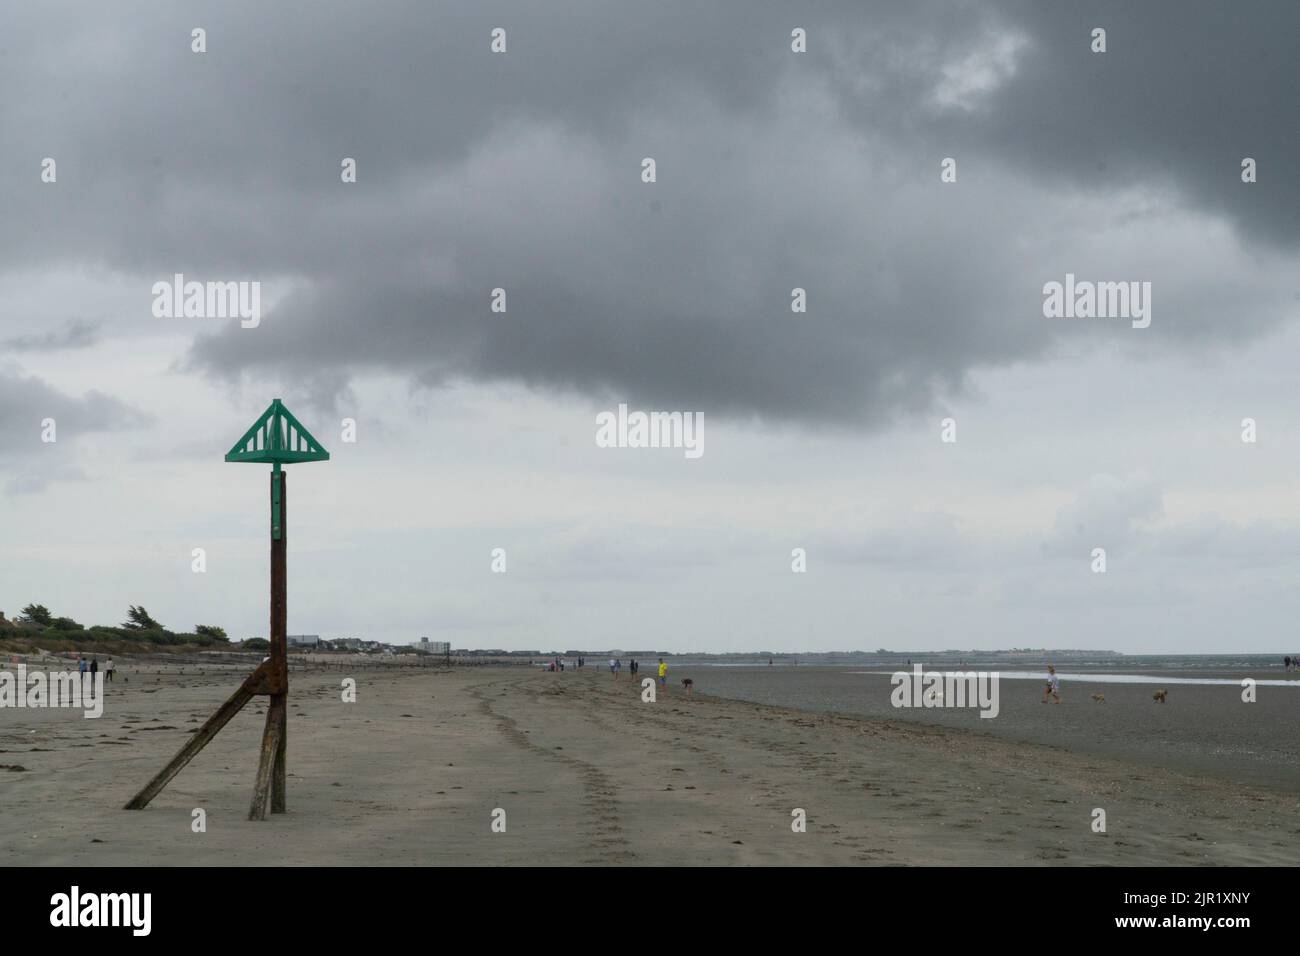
25, 402
1107, 513
74, 334
776, 171
928, 542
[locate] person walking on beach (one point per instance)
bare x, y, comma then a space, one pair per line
1053, 686
81, 665
108, 670
94, 667
663, 676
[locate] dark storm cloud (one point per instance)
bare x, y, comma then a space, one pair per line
1184, 91
775, 171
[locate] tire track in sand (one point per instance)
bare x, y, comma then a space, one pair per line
610, 839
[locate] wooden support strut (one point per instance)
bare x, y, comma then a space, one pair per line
256, 683
272, 736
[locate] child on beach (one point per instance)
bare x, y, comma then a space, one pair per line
663, 676
1053, 686
108, 669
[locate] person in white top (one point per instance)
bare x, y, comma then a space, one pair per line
1053, 687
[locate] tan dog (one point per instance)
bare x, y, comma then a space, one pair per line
1159, 696
1099, 698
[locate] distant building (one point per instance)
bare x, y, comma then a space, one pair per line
303, 640
426, 646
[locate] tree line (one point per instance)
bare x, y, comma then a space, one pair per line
139, 626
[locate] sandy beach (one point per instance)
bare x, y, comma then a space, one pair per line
587, 773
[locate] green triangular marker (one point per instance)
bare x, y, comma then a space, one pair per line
277, 438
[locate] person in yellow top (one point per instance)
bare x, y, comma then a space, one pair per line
663, 676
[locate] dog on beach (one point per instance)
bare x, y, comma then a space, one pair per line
1099, 698
1159, 696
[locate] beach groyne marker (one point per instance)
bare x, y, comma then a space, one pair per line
277, 439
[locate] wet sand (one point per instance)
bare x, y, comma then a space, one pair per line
589, 774
1203, 729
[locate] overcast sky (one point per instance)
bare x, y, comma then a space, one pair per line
774, 170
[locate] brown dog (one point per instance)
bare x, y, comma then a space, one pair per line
1099, 698
1159, 696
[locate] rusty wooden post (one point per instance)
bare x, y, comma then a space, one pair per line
278, 712
276, 438
281, 754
